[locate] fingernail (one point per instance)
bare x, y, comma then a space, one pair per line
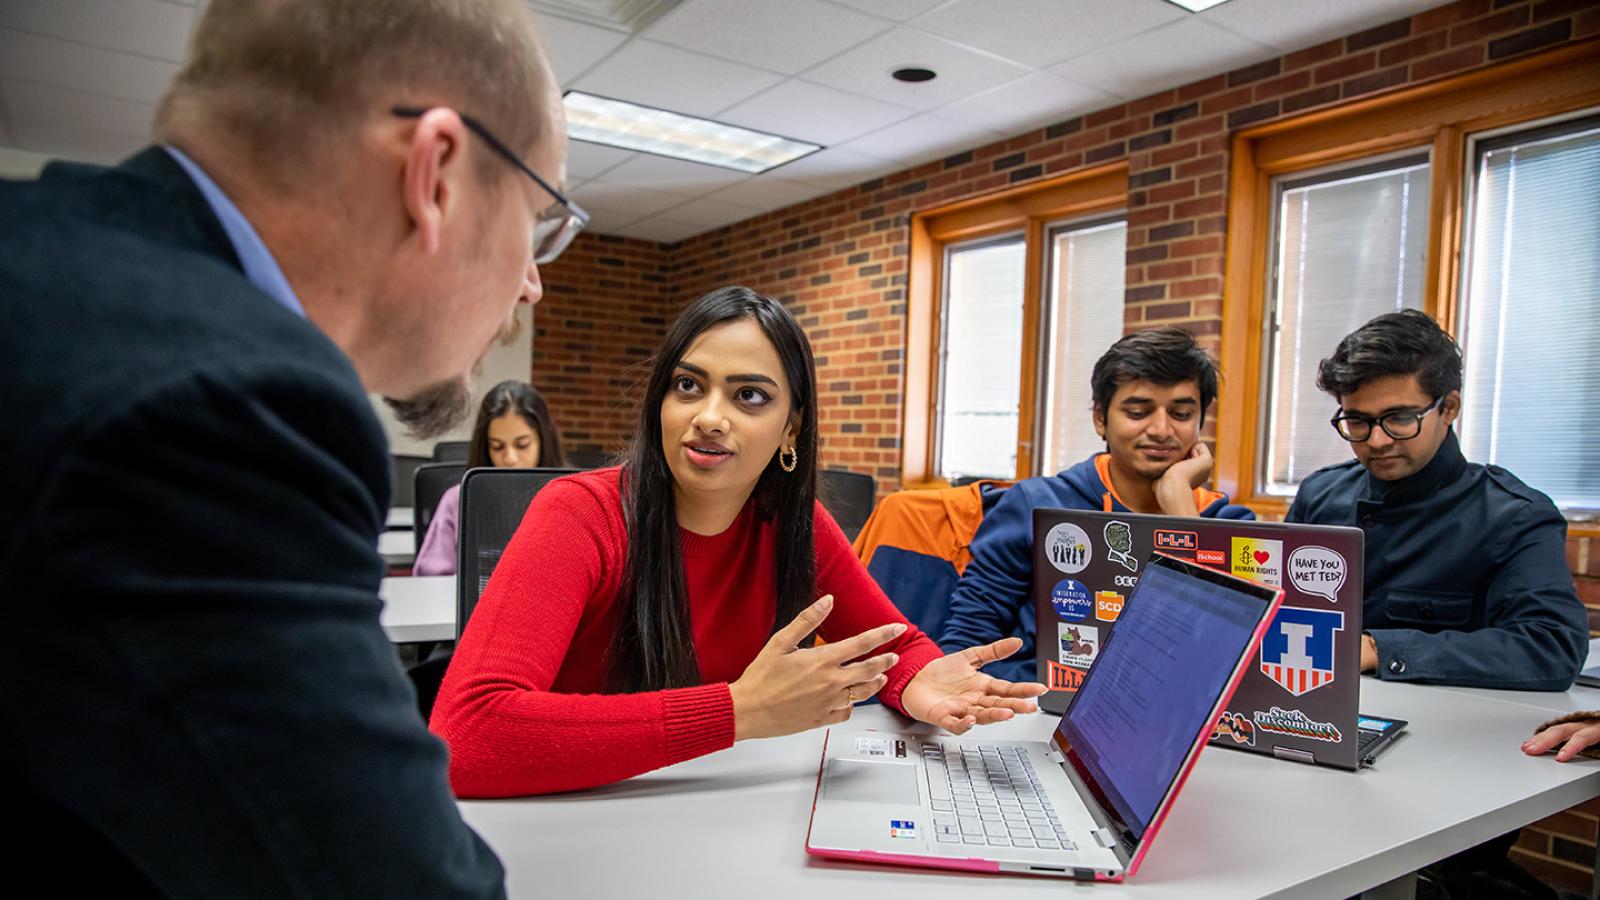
826, 601
899, 628
894, 660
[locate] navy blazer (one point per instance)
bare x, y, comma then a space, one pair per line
1466, 572
198, 698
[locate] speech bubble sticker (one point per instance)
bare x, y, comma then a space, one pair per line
1318, 571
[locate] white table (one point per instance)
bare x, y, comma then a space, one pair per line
419, 608
397, 547
1581, 698
733, 824
400, 517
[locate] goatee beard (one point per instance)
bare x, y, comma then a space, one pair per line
435, 409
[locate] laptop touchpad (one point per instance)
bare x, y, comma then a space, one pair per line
873, 782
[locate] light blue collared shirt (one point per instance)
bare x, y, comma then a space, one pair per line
259, 266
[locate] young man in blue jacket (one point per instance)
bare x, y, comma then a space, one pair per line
1151, 391
1466, 573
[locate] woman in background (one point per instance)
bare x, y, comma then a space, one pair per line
513, 431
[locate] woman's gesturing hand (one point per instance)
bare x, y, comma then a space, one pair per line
786, 689
951, 693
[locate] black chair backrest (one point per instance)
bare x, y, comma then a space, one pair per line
404, 469
493, 502
432, 480
848, 497
451, 451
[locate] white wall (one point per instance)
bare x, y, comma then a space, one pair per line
503, 362
24, 164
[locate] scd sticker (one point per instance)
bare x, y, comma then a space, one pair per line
1071, 600
1318, 571
1067, 548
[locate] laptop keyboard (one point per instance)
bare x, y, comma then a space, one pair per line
989, 796
1365, 740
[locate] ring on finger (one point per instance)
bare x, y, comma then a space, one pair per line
850, 692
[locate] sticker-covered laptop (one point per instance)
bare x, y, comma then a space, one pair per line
1299, 700
1087, 803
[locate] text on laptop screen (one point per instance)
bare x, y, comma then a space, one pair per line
1154, 686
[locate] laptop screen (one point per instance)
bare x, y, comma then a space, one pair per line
1155, 684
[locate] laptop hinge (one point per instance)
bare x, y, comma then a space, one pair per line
1290, 753
1104, 838
1055, 754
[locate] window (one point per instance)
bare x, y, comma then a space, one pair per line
1474, 198
1011, 297
982, 328
1348, 245
1088, 265
1531, 309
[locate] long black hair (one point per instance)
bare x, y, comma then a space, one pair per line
654, 646
525, 400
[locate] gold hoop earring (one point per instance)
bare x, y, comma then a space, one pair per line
788, 458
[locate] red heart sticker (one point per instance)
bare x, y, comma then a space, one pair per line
1262, 556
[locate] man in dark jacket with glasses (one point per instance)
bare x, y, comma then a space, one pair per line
1466, 574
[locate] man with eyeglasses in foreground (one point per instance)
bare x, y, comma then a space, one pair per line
347, 196
1466, 574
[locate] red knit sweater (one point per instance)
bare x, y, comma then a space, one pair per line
520, 706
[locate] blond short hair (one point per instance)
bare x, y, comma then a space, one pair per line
277, 75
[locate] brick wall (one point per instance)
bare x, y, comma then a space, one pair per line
840, 261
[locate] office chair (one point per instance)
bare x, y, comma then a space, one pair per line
848, 497
493, 502
431, 481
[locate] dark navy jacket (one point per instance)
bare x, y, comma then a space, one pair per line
1466, 573
993, 599
199, 700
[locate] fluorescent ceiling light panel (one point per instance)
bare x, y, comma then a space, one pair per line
1197, 5
617, 123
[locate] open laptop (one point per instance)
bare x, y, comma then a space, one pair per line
1085, 804
1300, 699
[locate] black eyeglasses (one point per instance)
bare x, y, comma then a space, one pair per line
1402, 424
557, 225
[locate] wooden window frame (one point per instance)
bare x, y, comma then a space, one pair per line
1030, 209
1439, 117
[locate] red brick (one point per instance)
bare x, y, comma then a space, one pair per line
1146, 105
1149, 215
1196, 247
1198, 287
1202, 166
1374, 81
1570, 824
1167, 271
1344, 68
1199, 128
1586, 24
1173, 154
1443, 16
1286, 84
1312, 55
1445, 63
1588, 589
1169, 192
1105, 116
1159, 311
1423, 45
1223, 102
1490, 26
1202, 206
1550, 9
1564, 876
1201, 88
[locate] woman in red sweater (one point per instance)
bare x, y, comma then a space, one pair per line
652, 613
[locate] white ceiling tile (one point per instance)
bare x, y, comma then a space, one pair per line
605, 221
926, 137
573, 46
898, 10
708, 213
73, 142
1293, 24
836, 168
146, 27
657, 228
767, 193
1040, 32
785, 36
660, 173
586, 160
669, 78
5, 135
49, 105
29, 57
1166, 57
623, 200
1027, 103
962, 72
811, 112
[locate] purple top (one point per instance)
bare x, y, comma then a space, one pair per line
438, 553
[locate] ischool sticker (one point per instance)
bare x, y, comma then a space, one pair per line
1078, 644
1119, 545
1108, 605
1294, 723
1211, 558
1318, 571
1070, 599
1297, 650
1234, 726
1258, 559
1062, 678
1067, 548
